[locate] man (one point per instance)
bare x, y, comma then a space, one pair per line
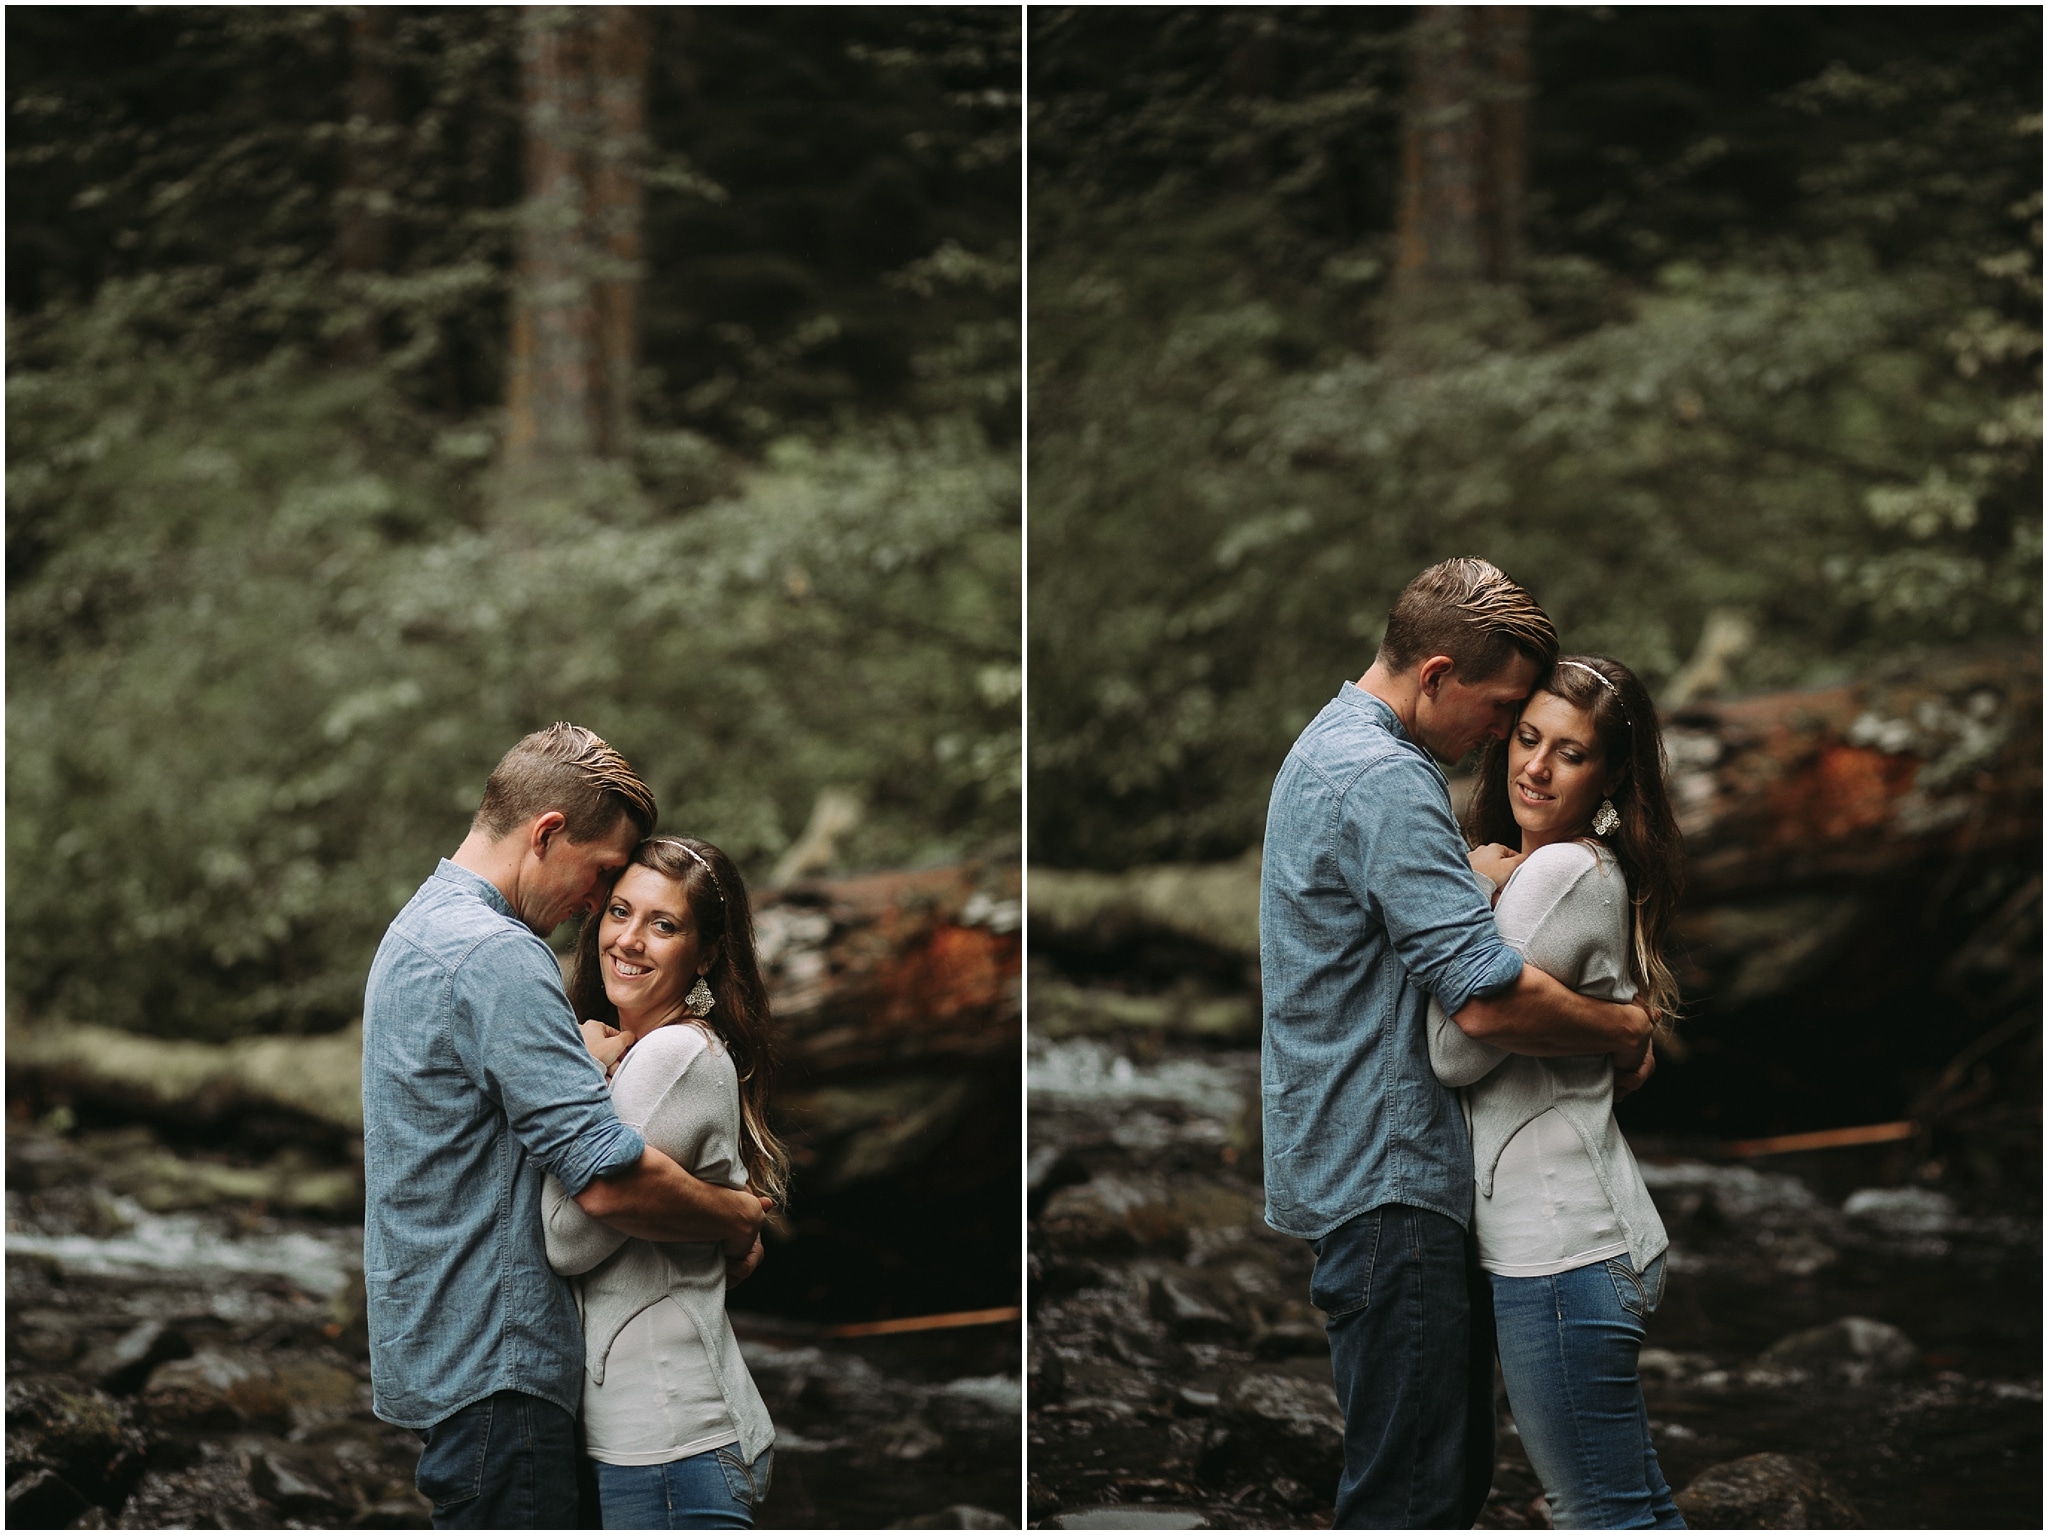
1367, 908
476, 1083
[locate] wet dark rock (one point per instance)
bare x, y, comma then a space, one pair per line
215, 1494
212, 1390
1047, 1377
292, 1484
43, 1500
1139, 1211
960, 1516
126, 1363
1040, 1501
1902, 1211
401, 1513
43, 1344
1118, 1516
1271, 1425
83, 1437
1288, 1338
1855, 1349
1766, 1492
1182, 1306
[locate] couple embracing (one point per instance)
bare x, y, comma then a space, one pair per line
1450, 1014
553, 1210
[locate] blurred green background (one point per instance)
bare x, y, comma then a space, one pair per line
273, 613
1769, 356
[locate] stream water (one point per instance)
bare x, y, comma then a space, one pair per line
1179, 1378
180, 1359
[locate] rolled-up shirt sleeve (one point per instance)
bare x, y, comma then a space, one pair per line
516, 1035
1409, 868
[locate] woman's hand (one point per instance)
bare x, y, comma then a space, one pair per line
1496, 860
605, 1043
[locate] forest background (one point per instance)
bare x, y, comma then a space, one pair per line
307, 522
1735, 357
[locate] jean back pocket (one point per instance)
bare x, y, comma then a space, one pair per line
1639, 1293
1342, 1280
748, 1484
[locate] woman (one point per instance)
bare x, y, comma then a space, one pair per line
679, 1435
1571, 822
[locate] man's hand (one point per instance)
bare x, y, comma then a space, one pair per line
1496, 860
1630, 1075
737, 1269
605, 1043
738, 1248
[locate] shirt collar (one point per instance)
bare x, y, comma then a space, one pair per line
476, 885
1357, 697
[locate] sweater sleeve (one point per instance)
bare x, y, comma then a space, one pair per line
1556, 912
668, 1088
1457, 1059
576, 1242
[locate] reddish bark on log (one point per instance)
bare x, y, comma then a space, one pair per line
886, 969
1882, 775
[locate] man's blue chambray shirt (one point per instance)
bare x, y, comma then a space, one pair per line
1367, 907
475, 1083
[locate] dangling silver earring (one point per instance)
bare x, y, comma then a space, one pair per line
699, 1002
1606, 818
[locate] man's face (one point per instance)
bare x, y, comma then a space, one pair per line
1454, 717
564, 878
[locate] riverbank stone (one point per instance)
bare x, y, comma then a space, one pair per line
1182, 1306
212, 1390
1855, 1348
1131, 1212
127, 1362
1766, 1492
87, 1440
1271, 1426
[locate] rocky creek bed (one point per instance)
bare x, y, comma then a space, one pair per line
1837, 1348
185, 1349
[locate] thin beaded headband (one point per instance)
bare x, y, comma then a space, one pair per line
701, 863
1608, 684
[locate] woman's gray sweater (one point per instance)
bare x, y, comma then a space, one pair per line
1566, 909
678, 1088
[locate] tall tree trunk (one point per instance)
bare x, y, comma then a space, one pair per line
554, 326
620, 76
575, 312
363, 243
1463, 163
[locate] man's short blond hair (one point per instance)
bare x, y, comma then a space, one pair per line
570, 769
1467, 610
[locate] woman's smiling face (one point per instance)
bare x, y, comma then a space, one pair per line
1557, 773
649, 944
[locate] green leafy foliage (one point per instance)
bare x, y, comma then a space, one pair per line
259, 680
269, 622
1824, 415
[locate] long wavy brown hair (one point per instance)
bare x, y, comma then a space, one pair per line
739, 1015
1647, 844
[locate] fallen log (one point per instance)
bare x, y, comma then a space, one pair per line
895, 994
1807, 815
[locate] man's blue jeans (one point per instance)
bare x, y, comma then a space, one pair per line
507, 1462
717, 1490
1568, 1347
1411, 1346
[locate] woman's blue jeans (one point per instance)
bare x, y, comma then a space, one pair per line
717, 1490
1568, 1345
